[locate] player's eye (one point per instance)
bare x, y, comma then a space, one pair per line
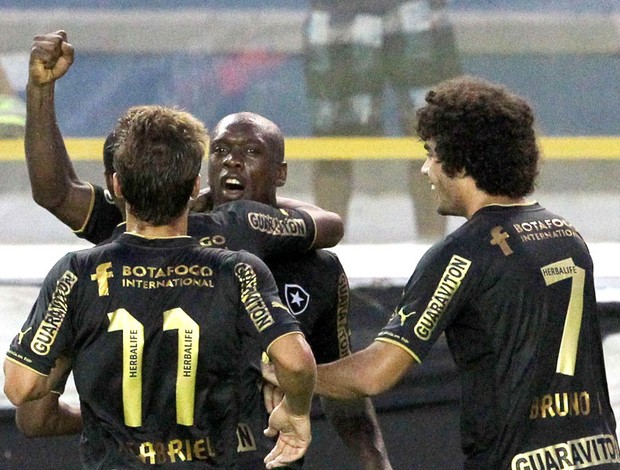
219, 150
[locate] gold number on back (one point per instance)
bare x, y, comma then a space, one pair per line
556, 272
187, 355
133, 347
188, 333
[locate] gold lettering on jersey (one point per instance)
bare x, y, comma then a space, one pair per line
169, 271
245, 438
589, 451
188, 450
216, 241
274, 226
175, 450
251, 298
102, 274
560, 405
150, 277
342, 328
45, 335
536, 230
142, 284
448, 285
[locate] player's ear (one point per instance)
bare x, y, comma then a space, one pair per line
281, 174
196, 189
116, 182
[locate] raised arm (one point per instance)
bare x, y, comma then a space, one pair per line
329, 225
295, 370
53, 181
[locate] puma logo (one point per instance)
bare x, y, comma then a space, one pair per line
403, 316
20, 335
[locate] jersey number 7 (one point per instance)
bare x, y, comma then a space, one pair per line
559, 271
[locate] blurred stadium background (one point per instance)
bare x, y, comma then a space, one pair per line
216, 57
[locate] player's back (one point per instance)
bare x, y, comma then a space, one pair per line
529, 333
160, 322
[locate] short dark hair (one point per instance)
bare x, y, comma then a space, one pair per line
158, 157
484, 129
109, 146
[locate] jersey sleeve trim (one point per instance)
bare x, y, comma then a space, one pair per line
314, 229
20, 363
403, 347
282, 336
90, 210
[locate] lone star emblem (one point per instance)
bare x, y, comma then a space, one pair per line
297, 299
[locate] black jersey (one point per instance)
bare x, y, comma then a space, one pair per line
315, 289
513, 290
103, 217
156, 329
312, 283
253, 226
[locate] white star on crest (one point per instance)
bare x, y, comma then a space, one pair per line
296, 298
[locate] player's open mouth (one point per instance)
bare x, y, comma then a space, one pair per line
232, 184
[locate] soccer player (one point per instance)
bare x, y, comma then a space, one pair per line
512, 289
89, 209
155, 324
246, 162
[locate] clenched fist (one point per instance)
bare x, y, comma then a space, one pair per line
50, 58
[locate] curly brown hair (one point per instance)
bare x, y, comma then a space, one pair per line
484, 129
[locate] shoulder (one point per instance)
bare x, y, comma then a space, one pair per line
229, 258
322, 260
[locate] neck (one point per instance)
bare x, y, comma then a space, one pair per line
175, 228
485, 199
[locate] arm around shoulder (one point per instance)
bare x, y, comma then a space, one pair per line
329, 226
